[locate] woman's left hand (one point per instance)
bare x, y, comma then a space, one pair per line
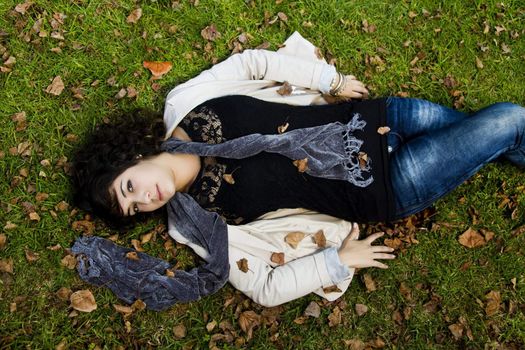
353, 88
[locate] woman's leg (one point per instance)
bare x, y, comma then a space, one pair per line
410, 117
434, 163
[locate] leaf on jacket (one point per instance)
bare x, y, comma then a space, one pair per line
319, 239
282, 128
228, 178
383, 130
248, 320
301, 164
277, 258
286, 89
157, 69
132, 256
170, 273
83, 300
471, 239
243, 265
363, 159
293, 238
56, 87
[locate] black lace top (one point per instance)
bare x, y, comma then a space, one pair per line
242, 189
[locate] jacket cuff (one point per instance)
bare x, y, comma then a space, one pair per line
327, 75
336, 270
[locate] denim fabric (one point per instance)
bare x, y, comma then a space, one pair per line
434, 148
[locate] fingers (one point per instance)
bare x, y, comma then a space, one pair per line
354, 233
384, 256
381, 249
373, 237
379, 265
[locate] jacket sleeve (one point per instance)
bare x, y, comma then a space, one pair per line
270, 286
268, 65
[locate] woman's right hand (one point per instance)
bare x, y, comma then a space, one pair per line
361, 253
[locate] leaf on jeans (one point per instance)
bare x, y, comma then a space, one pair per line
301, 164
286, 89
471, 239
493, 303
134, 16
282, 128
243, 265
293, 238
170, 273
277, 258
83, 300
334, 319
157, 69
132, 256
319, 239
56, 87
228, 178
383, 130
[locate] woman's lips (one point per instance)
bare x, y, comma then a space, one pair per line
158, 193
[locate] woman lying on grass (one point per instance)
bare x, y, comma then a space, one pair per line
241, 147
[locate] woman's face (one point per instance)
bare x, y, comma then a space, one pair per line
144, 187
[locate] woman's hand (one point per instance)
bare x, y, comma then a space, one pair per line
353, 88
354, 253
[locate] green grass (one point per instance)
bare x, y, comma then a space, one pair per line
99, 45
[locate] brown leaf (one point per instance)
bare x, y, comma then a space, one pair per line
282, 16
471, 239
179, 331
211, 326
228, 178
320, 239
22, 8
286, 89
487, 234
332, 289
383, 130
62, 206
31, 256
210, 33
83, 300
56, 87
248, 320
132, 256
34, 216
136, 244
363, 160
21, 121
369, 283
84, 226
10, 226
6, 265
277, 258
145, 238
334, 319
313, 310
69, 261
361, 309
301, 164
40, 196
138, 305
493, 303
121, 94
282, 128
123, 309
134, 16
131, 91
293, 238
457, 330
355, 344
300, 320
170, 273
157, 69
479, 64
242, 264
3, 240
64, 293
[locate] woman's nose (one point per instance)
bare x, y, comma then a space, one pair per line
146, 197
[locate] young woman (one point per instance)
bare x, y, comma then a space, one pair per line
242, 156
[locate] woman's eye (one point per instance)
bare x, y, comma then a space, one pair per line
135, 209
130, 186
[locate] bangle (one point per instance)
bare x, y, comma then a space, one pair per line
341, 83
335, 82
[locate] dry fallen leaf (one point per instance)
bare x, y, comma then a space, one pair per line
361, 309
286, 89
170, 273
313, 310
457, 330
355, 344
31, 256
132, 256
56, 87
10, 226
301, 164
363, 160
334, 319
22, 8
369, 283
242, 264
83, 300
293, 238
248, 320
69, 261
383, 130
138, 305
228, 178
64, 293
157, 69
210, 33
123, 309
282, 128
3, 240
211, 326
134, 16
479, 64
84, 226
332, 289
277, 258
179, 331
137, 245
471, 239
6, 265
493, 303
319, 239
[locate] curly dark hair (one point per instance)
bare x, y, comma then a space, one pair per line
106, 153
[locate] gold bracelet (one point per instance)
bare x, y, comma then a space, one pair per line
340, 85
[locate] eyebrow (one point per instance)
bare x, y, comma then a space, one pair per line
122, 191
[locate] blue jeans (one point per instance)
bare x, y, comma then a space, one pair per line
434, 148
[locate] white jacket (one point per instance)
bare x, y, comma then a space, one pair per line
307, 269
